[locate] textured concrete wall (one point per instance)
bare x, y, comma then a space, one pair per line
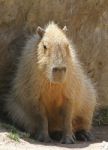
87, 22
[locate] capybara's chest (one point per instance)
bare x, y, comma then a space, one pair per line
53, 99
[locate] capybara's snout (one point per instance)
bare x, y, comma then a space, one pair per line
59, 73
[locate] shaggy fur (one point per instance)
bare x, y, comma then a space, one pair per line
41, 101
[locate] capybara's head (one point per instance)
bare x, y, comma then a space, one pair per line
54, 53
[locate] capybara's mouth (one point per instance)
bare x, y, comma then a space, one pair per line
58, 79
58, 75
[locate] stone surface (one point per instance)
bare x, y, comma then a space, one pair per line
87, 23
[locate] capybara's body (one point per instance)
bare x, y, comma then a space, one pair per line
50, 91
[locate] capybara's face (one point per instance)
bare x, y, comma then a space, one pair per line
54, 55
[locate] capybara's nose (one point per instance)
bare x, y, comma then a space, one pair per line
59, 69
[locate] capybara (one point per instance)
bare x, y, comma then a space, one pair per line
50, 91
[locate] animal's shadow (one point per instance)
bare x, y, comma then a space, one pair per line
56, 136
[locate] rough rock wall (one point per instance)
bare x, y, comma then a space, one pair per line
87, 22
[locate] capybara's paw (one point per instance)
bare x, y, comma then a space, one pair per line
83, 135
68, 139
43, 138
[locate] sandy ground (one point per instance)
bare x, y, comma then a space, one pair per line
100, 142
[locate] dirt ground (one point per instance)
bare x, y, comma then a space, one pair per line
100, 142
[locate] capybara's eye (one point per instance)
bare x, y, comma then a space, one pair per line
45, 48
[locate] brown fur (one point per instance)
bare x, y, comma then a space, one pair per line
42, 101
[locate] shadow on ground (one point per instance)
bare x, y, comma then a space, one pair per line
100, 133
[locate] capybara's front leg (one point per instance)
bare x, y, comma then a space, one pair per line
42, 134
68, 135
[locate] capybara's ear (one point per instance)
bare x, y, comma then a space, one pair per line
40, 31
64, 29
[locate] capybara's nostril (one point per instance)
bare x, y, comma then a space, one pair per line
59, 69
55, 69
63, 69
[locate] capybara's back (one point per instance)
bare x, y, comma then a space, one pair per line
50, 91
9, 53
